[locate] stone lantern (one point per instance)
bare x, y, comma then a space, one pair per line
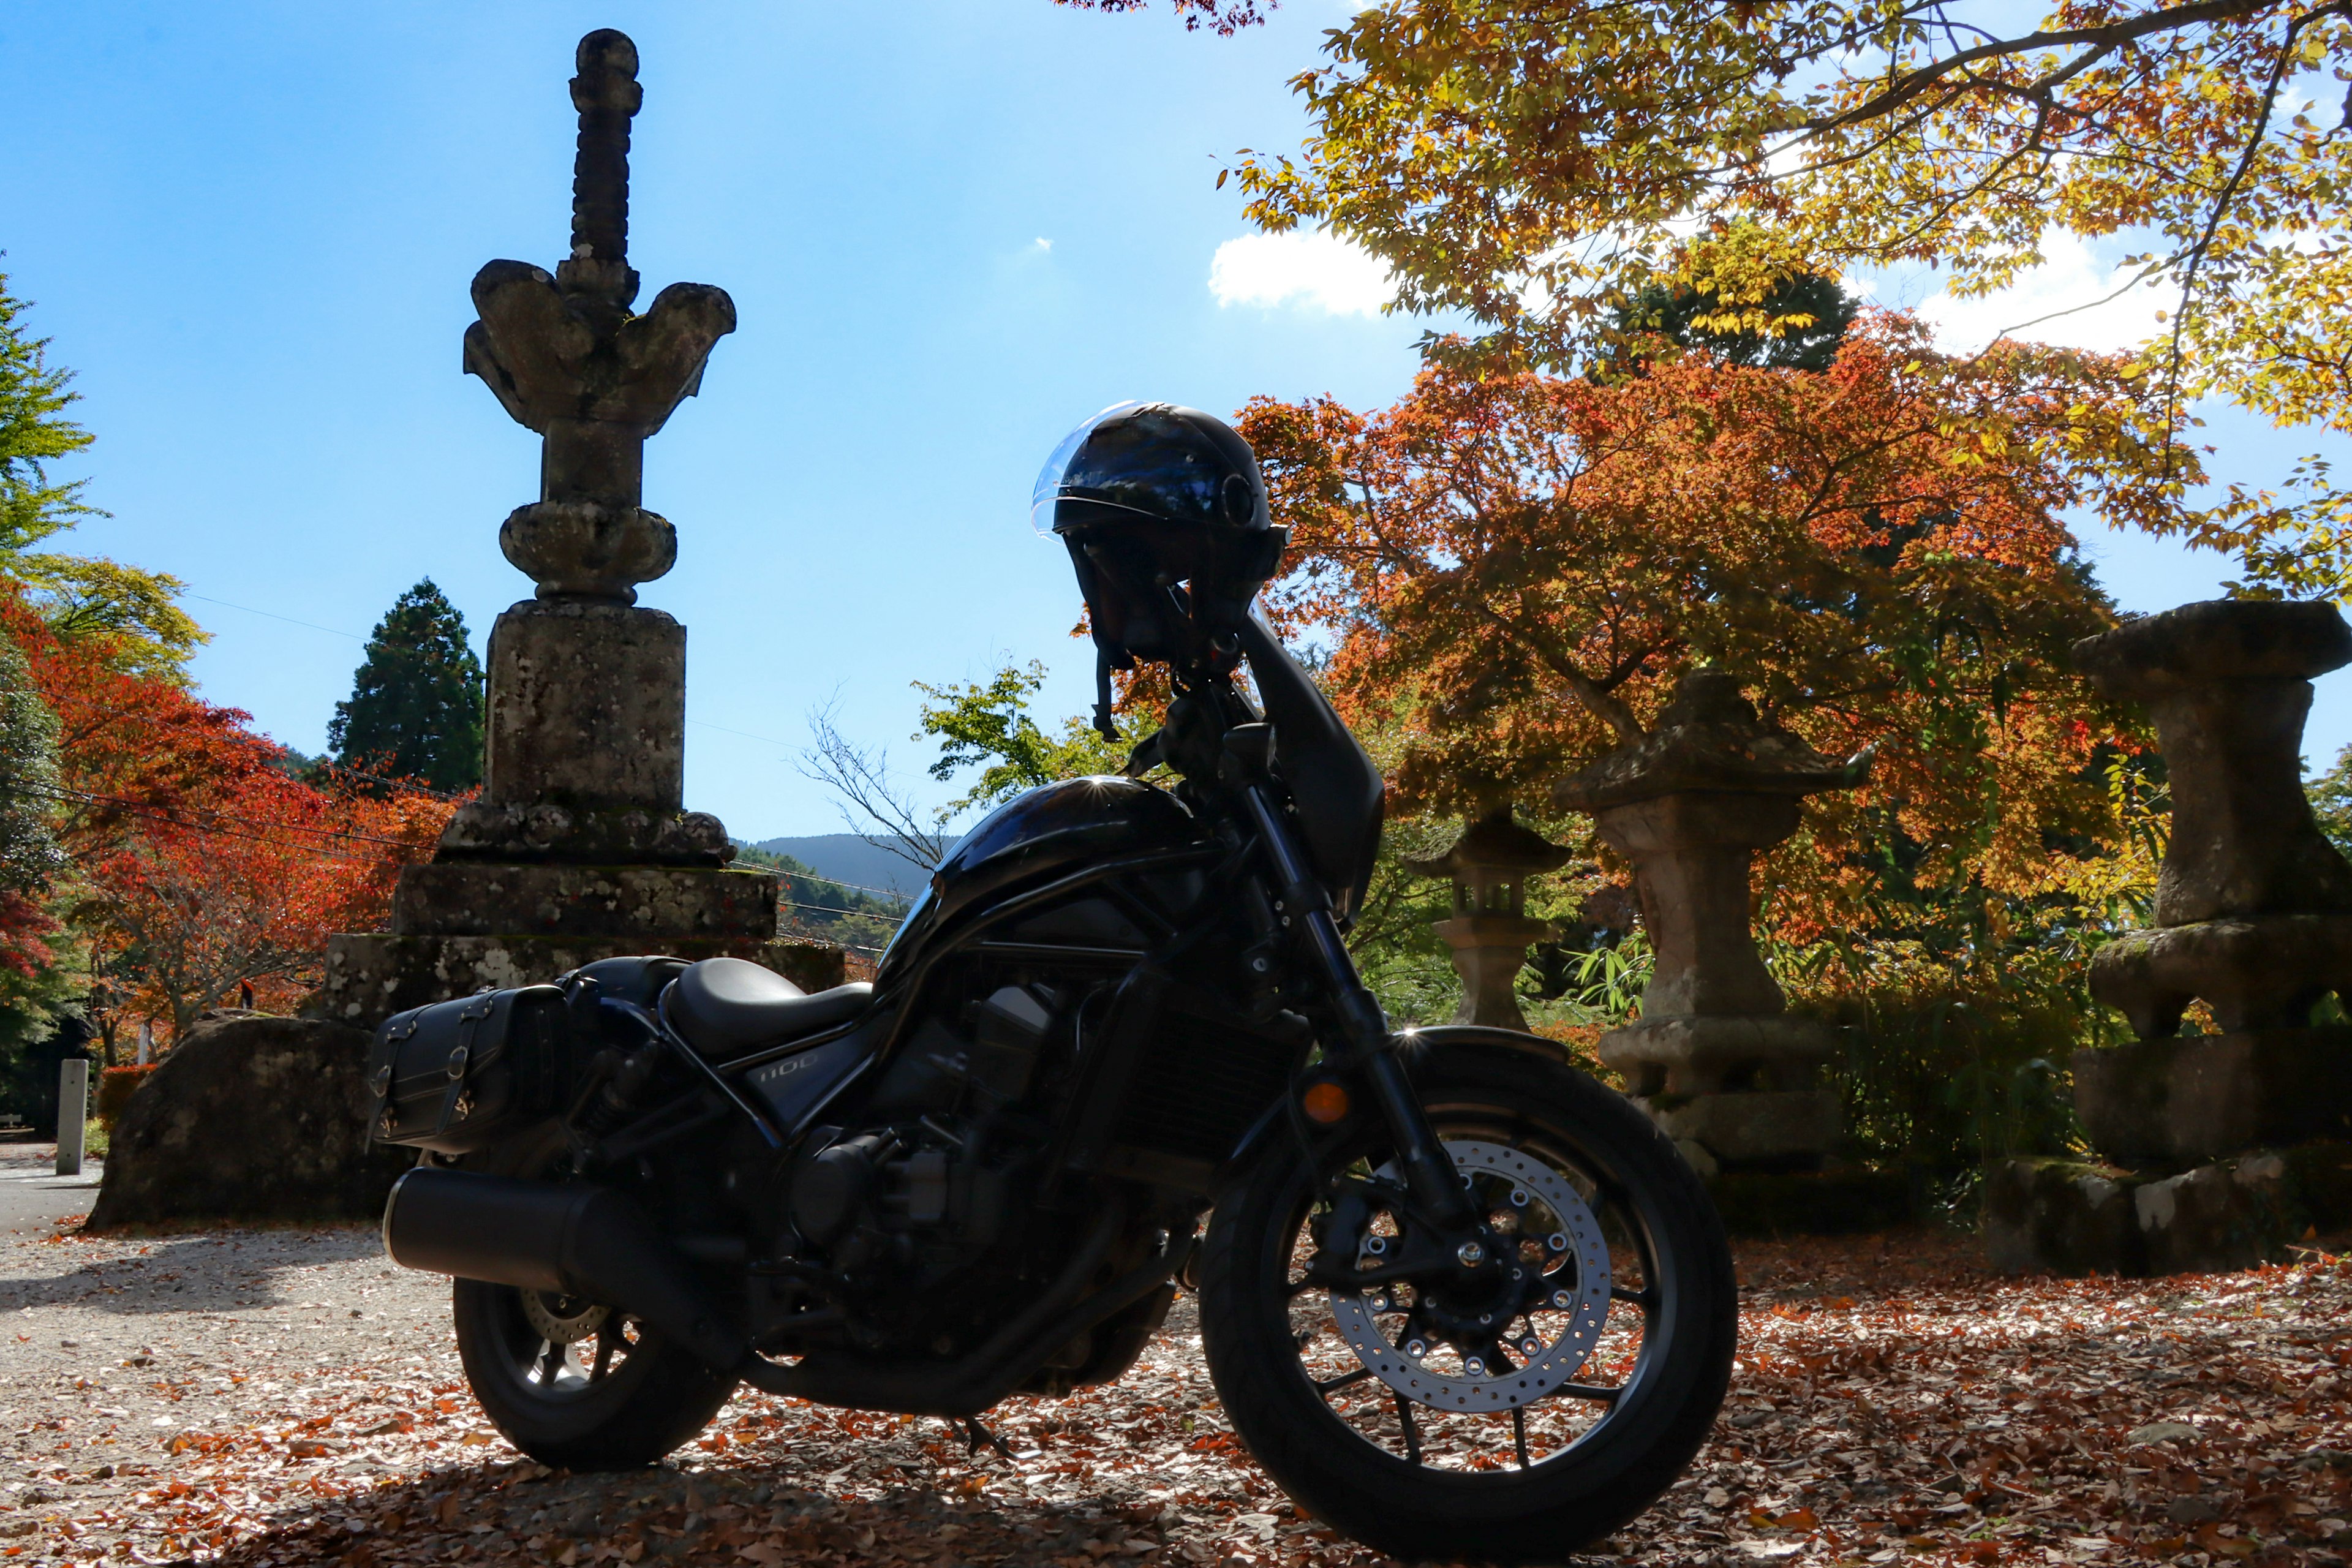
1715, 1058
579, 847
2254, 917
1489, 931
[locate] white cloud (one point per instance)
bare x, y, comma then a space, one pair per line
1317, 269
2072, 274
1044, 244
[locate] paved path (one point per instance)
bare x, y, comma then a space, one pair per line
33, 1197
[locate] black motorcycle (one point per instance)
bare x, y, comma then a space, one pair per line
1456, 1297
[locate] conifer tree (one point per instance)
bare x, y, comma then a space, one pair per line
34, 433
415, 709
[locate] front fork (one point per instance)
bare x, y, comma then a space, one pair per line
1372, 1050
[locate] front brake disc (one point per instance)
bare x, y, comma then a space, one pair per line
1578, 1292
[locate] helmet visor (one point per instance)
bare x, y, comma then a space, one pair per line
1049, 487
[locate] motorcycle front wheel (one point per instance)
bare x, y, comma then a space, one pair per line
1433, 1421
575, 1383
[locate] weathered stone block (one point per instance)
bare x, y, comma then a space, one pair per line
250, 1119
587, 707
1489, 951
2180, 1100
545, 831
2060, 1216
2261, 972
1787, 1128
2216, 1217
457, 897
371, 975
1713, 1054
2228, 684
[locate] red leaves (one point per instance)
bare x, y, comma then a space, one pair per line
1518, 567
197, 850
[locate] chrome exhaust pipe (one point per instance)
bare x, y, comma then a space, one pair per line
566, 1238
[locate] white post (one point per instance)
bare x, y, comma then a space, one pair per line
73, 1113
146, 1040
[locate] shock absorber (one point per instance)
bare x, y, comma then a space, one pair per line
616, 1095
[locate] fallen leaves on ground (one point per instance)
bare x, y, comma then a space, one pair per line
1893, 1403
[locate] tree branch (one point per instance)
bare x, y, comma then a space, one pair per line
1903, 88
860, 781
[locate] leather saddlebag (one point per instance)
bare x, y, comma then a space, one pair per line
459, 1076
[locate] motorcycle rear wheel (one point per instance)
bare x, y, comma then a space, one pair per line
573, 1383
1355, 1429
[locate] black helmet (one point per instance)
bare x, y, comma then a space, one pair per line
1164, 512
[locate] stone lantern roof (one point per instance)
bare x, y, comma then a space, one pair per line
1495, 842
2220, 639
1708, 740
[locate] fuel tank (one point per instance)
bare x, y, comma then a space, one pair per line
1053, 828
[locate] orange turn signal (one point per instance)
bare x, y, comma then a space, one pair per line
1325, 1103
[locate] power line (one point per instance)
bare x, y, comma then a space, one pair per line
843, 914
354, 637
837, 882
272, 615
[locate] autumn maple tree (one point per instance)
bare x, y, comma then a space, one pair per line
196, 856
1535, 165
1518, 567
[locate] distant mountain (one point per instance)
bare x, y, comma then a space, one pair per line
853, 860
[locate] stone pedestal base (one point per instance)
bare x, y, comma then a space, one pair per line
372, 977
2069, 1218
1741, 1088
1712, 1054
459, 926
2175, 1101
1757, 1130
463, 898
1489, 951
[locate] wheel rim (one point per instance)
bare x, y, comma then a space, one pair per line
1570, 1369
559, 1348
1522, 1356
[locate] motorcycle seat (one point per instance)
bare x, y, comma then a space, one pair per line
725, 1005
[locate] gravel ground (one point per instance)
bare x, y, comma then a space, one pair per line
285, 1397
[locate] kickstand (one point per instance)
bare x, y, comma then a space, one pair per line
977, 1435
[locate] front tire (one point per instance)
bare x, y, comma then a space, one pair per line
1424, 1447
573, 1383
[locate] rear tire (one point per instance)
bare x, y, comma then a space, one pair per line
1515, 1482
569, 1383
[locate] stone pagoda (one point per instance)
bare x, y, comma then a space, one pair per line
2215, 1150
579, 847
1715, 1058
1489, 930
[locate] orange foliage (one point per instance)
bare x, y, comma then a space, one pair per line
1517, 569
196, 854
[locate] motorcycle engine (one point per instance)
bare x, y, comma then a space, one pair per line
924, 1213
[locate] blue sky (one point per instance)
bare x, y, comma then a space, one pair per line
950, 230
